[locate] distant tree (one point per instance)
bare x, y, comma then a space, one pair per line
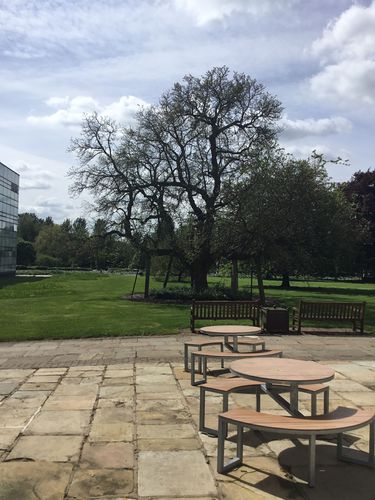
25, 253
48, 221
54, 241
285, 213
29, 225
171, 166
360, 191
79, 243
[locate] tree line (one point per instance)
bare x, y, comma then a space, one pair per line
72, 244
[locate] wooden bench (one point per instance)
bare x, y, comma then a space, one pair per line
226, 386
337, 422
224, 310
204, 355
329, 311
200, 342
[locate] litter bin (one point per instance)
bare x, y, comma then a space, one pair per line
275, 319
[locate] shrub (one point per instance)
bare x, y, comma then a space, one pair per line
184, 293
46, 261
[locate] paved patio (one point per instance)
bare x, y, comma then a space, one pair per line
117, 418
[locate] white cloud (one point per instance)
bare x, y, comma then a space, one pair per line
295, 129
33, 176
125, 109
305, 150
57, 102
24, 53
214, 10
347, 55
71, 110
69, 115
49, 206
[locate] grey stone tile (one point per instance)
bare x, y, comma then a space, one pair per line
48, 448
107, 456
174, 474
33, 480
60, 422
100, 483
179, 431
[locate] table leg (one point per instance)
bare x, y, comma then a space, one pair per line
291, 407
228, 345
294, 399
235, 343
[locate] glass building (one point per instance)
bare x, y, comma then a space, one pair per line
9, 187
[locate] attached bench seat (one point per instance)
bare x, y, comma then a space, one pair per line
224, 386
200, 342
252, 342
314, 390
205, 355
337, 422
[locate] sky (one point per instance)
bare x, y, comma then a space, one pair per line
62, 58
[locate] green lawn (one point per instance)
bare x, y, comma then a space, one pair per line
76, 305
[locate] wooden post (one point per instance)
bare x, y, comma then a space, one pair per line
147, 276
166, 279
262, 296
234, 275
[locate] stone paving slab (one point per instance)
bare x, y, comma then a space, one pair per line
33, 480
127, 428
173, 473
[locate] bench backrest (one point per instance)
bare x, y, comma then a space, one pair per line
225, 309
332, 310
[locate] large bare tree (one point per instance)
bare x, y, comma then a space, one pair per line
169, 169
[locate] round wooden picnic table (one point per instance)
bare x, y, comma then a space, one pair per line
233, 331
283, 371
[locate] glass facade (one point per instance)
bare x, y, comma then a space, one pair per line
9, 187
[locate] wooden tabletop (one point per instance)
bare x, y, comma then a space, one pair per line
282, 370
230, 330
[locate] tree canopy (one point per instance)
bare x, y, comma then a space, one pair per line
169, 169
360, 191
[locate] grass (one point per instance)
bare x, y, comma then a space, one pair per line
74, 305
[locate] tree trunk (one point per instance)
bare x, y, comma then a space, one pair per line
259, 273
234, 276
168, 272
285, 282
147, 276
199, 273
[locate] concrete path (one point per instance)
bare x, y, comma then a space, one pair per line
128, 429
106, 351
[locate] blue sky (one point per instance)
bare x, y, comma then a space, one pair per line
61, 58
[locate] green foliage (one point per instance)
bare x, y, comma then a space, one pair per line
360, 191
47, 261
185, 294
287, 214
25, 253
29, 226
